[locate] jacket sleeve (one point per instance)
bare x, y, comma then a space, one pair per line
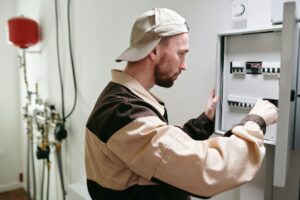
200, 128
154, 150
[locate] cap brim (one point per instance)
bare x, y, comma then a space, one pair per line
139, 52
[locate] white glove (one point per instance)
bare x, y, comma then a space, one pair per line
266, 110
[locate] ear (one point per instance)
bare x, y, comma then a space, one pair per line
153, 54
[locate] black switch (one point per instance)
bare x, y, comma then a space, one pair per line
254, 67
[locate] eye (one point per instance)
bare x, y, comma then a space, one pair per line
182, 53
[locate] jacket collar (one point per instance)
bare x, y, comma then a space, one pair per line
135, 87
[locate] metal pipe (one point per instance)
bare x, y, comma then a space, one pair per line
33, 169
29, 127
43, 174
28, 168
48, 181
60, 169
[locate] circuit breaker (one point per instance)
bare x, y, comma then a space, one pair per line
248, 70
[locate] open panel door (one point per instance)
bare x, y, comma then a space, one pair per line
287, 93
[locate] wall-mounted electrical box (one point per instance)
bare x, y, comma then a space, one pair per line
249, 69
262, 64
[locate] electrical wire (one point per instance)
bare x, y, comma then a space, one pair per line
61, 86
59, 65
64, 117
72, 62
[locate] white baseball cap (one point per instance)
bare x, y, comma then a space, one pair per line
149, 29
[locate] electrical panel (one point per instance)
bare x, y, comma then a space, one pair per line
263, 64
249, 69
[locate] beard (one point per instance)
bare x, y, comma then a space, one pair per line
161, 79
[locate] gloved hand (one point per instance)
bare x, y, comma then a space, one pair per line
266, 110
211, 105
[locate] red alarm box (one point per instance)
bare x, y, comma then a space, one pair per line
23, 32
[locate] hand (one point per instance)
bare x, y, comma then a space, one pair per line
266, 110
211, 105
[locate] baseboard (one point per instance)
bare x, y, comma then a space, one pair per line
10, 186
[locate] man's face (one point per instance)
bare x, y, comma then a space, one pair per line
172, 60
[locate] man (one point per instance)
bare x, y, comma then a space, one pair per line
132, 152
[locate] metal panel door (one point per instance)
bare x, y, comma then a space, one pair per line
287, 93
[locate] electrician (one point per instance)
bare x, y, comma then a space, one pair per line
133, 153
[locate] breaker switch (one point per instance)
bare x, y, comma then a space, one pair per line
237, 67
271, 68
241, 102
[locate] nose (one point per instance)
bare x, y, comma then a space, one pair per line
183, 66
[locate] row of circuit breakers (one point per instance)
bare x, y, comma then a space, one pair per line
245, 102
242, 68
266, 68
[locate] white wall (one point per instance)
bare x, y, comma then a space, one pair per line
10, 133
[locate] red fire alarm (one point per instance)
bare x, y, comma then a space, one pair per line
23, 32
